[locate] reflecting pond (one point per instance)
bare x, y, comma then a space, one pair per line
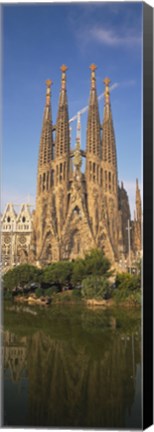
71, 366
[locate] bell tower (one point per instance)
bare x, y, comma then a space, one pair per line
93, 154
46, 148
109, 174
45, 214
62, 152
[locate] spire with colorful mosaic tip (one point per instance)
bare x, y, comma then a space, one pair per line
63, 68
107, 90
48, 92
93, 68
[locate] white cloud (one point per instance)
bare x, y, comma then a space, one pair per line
112, 38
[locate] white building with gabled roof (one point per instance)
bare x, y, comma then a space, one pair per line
16, 231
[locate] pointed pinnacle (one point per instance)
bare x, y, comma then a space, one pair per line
107, 81
48, 83
93, 67
64, 68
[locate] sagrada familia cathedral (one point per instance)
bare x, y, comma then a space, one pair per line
76, 211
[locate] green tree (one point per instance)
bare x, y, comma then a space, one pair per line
94, 263
97, 264
78, 271
21, 275
58, 273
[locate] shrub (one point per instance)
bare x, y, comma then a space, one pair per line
65, 297
135, 298
51, 291
76, 293
127, 281
96, 287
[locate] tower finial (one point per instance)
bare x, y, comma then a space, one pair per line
107, 90
48, 97
93, 67
63, 68
48, 83
107, 81
63, 78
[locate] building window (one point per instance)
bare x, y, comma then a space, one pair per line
109, 181
77, 211
47, 182
101, 177
90, 169
94, 171
23, 219
57, 174
97, 174
43, 182
106, 180
61, 171
64, 173
53, 151
8, 219
113, 182
52, 178
40, 185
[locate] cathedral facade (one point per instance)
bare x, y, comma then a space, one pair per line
77, 211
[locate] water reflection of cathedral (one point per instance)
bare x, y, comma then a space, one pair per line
73, 383
14, 352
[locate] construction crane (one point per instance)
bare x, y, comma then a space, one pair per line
83, 110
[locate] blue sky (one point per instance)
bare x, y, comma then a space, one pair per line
37, 40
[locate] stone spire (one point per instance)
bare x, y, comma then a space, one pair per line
93, 126
62, 143
46, 141
138, 202
108, 140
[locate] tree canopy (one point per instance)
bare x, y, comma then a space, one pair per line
60, 273
21, 275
